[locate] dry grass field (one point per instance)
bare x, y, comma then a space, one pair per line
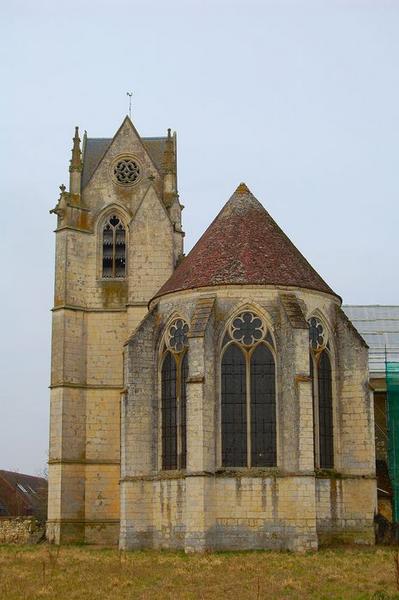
81, 573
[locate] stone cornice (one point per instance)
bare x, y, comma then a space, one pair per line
86, 386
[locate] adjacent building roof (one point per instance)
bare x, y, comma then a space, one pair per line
379, 326
95, 148
244, 245
22, 494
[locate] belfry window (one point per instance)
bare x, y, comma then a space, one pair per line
248, 394
114, 249
320, 371
174, 373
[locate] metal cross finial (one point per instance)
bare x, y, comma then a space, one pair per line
130, 94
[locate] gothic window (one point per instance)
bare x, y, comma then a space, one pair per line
169, 406
174, 375
320, 371
114, 248
248, 395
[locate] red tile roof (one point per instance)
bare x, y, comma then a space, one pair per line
242, 246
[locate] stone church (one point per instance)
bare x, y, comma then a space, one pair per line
209, 402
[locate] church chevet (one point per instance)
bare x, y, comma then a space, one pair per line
214, 401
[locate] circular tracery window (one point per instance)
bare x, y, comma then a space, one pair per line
126, 171
247, 328
177, 335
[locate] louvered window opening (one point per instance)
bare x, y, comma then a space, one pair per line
114, 249
248, 397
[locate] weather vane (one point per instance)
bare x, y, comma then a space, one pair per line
130, 94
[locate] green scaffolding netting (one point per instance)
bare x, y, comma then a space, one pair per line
392, 378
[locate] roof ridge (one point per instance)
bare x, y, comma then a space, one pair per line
372, 305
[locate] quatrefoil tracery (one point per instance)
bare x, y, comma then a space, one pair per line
126, 171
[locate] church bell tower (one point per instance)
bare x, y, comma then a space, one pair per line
118, 239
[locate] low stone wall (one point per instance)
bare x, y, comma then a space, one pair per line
20, 530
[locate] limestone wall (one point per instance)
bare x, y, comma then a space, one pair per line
210, 507
345, 510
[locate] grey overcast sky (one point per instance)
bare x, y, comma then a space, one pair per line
298, 99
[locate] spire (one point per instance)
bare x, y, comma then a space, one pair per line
76, 161
169, 171
75, 166
169, 155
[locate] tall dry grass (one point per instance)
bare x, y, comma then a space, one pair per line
80, 573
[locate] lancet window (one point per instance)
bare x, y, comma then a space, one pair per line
114, 249
321, 374
174, 373
248, 394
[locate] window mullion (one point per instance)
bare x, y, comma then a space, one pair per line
248, 405
113, 250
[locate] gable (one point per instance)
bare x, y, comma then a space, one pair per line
95, 148
151, 249
98, 154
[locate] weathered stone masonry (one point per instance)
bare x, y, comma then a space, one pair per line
208, 507
108, 479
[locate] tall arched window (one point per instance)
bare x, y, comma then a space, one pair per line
169, 410
114, 248
174, 373
248, 395
320, 371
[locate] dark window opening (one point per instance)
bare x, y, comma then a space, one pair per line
234, 408
169, 413
263, 408
183, 412
326, 437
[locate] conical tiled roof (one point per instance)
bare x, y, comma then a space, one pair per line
244, 245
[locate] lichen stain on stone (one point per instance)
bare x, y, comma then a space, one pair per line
333, 499
114, 293
169, 502
238, 490
274, 490
125, 194
83, 220
161, 498
179, 499
264, 494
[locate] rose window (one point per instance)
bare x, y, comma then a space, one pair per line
126, 171
247, 329
178, 335
316, 334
